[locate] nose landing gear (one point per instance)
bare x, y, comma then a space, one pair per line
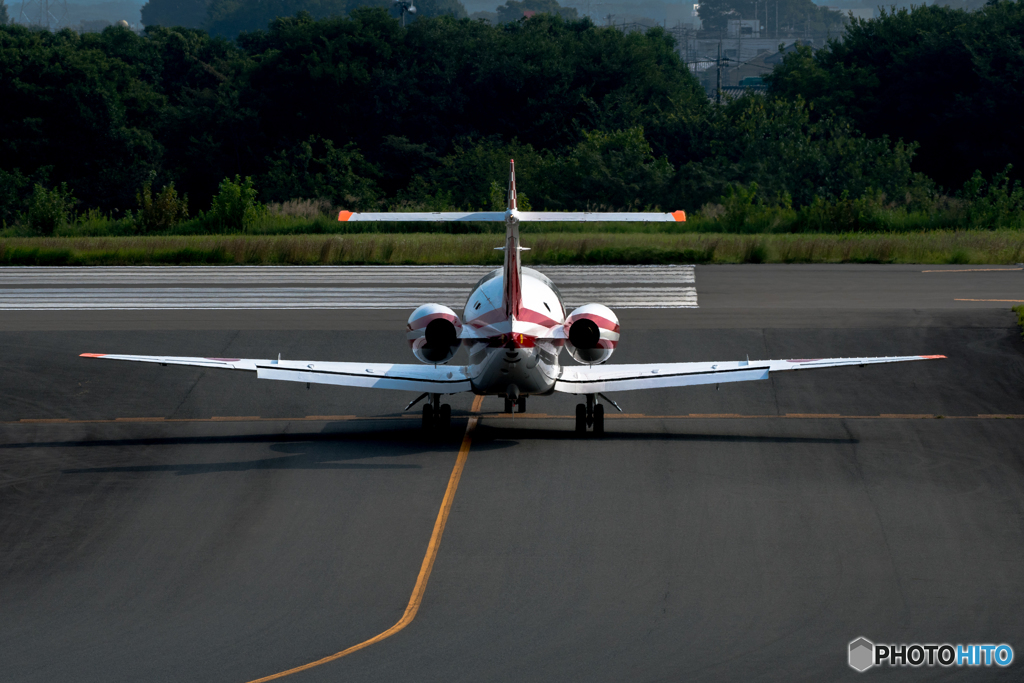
590, 414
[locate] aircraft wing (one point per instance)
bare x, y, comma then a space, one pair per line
437, 379
590, 379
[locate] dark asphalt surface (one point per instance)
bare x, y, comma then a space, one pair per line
676, 548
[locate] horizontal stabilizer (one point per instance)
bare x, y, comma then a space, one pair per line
594, 217
521, 216
426, 216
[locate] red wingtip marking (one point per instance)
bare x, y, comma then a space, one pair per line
92, 355
344, 215
680, 216
931, 357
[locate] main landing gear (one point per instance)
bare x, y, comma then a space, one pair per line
437, 416
590, 414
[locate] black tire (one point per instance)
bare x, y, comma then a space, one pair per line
508, 405
521, 405
581, 418
599, 419
444, 418
428, 418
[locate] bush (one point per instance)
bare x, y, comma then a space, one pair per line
160, 212
235, 207
49, 209
995, 204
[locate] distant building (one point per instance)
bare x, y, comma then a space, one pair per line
743, 28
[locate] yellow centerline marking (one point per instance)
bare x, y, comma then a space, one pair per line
1008, 301
970, 270
428, 560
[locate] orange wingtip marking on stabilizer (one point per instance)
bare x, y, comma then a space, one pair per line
930, 357
680, 216
344, 215
92, 355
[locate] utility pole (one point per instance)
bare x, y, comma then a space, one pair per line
718, 90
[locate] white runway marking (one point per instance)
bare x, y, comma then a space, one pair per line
362, 287
272, 275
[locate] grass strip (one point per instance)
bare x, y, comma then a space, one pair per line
933, 247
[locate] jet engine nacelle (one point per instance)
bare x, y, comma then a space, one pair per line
433, 333
592, 333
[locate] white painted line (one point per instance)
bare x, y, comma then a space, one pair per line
185, 298
322, 287
268, 275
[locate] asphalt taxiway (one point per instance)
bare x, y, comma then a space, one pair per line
177, 524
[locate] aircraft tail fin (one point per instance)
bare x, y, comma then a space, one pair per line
512, 297
512, 185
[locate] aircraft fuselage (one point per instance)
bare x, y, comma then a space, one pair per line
505, 355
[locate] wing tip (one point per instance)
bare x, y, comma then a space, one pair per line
680, 216
930, 357
91, 355
344, 215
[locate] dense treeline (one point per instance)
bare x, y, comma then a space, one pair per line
359, 113
949, 79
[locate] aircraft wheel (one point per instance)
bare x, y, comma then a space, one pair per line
508, 405
581, 418
521, 405
428, 417
444, 418
599, 419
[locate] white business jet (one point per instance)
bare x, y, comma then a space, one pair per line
514, 327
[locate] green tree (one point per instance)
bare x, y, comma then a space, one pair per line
316, 169
14, 192
792, 156
161, 211
228, 18
49, 209
614, 171
81, 106
235, 207
949, 79
3, 13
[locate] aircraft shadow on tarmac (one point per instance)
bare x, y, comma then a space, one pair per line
326, 450
300, 451
500, 434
